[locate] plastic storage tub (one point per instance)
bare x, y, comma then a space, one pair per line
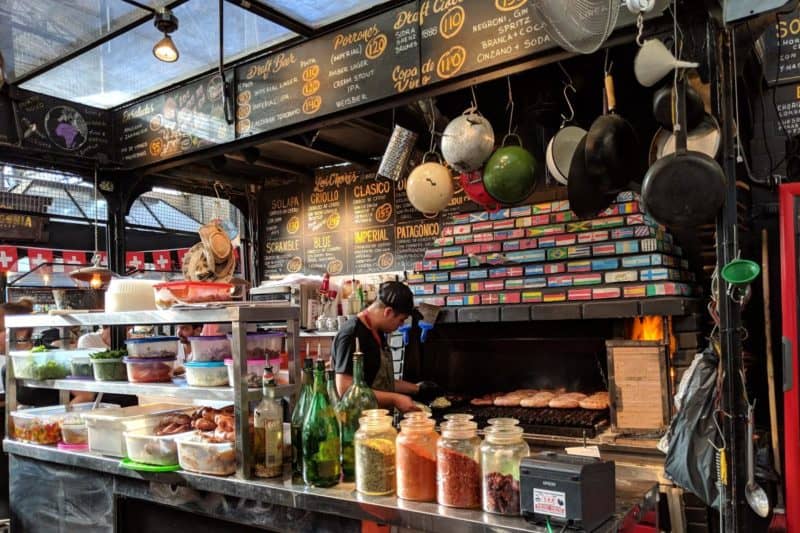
42, 425
109, 370
81, 367
152, 449
54, 364
206, 374
264, 345
209, 348
255, 369
197, 455
153, 370
106, 429
74, 431
152, 347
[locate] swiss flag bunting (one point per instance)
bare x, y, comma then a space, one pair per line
8, 258
181, 252
162, 260
74, 258
38, 256
134, 260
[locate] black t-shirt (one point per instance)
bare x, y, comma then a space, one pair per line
344, 345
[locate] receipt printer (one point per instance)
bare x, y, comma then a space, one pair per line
567, 490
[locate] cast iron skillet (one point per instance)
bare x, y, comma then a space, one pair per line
586, 197
610, 145
687, 188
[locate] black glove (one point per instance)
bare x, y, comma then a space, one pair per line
428, 391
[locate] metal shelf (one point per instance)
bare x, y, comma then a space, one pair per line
178, 389
319, 333
231, 313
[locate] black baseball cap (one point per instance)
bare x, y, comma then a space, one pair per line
396, 295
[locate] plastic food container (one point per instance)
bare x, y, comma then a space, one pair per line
197, 455
154, 370
255, 369
107, 428
54, 364
81, 367
109, 370
42, 425
209, 348
191, 292
74, 431
264, 345
206, 374
130, 295
152, 449
150, 347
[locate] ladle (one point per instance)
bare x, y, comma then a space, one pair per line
755, 495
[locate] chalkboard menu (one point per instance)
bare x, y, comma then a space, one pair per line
53, 124
174, 123
348, 222
410, 46
787, 104
779, 49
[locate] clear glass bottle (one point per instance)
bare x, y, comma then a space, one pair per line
458, 467
501, 454
330, 386
416, 458
375, 453
299, 415
321, 439
357, 398
268, 415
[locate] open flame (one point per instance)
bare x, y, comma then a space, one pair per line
647, 328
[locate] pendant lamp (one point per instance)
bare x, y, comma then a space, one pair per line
96, 276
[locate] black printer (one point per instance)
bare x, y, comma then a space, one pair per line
571, 490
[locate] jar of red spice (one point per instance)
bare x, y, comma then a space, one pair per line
501, 454
416, 458
458, 468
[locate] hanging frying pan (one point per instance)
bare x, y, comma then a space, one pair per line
586, 199
662, 107
611, 145
685, 188
472, 183
705, 138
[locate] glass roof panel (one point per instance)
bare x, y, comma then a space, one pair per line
40, 31
124, 68
317, 13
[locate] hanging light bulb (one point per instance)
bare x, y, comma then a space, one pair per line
165, 50
96, 282
96, 275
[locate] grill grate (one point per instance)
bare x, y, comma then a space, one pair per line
561, 422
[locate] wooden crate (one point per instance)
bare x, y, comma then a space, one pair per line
638, 381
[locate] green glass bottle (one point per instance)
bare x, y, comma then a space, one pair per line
357, 398
330, 385
321, 439
299, 415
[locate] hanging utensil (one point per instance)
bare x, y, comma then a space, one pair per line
562, 145
663, 101
472, 183
686, 188
468, 140
756, 497
510, 174
585, 199
612, 145
654, 61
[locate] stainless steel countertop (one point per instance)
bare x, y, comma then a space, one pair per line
342, 500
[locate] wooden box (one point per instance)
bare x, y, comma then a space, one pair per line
638, 382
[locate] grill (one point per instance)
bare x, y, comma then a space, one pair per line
561, 422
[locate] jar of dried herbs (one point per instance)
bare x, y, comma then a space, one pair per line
375, 453
458, 468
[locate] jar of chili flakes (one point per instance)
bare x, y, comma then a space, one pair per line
458, 469
416, 458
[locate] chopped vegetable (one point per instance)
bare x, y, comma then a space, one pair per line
109, 354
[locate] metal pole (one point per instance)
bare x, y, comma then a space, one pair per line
736, 515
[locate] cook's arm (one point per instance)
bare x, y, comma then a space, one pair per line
406, 387
387, 400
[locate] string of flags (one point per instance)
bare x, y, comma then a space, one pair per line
159, 260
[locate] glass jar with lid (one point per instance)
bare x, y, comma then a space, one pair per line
459, 417
375, 453
503, 422
458, 469
501, 454
416, 458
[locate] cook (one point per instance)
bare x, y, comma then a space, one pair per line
394, 304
